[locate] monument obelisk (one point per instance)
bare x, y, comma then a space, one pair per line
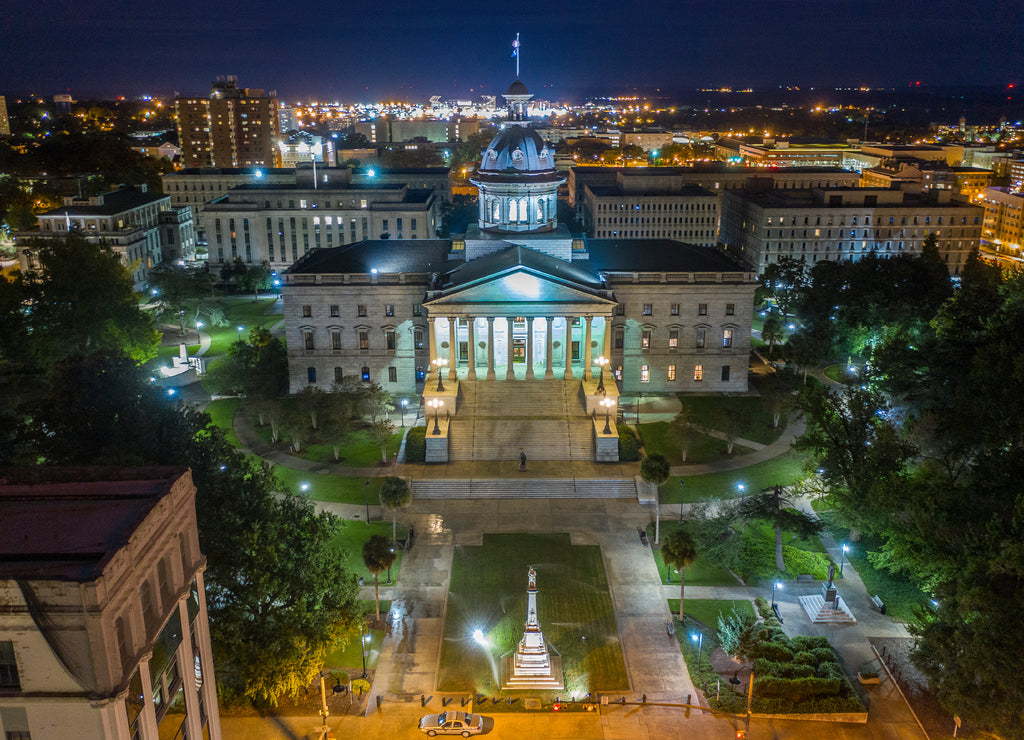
531, 666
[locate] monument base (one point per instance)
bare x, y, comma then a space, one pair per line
512, 682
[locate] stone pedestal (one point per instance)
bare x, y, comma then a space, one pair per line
437, 444
607, 445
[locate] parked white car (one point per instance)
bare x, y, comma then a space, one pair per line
452, 723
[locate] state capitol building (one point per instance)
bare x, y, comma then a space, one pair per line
519, 298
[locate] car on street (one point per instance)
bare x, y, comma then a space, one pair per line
452, 723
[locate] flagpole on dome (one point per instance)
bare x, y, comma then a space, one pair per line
515, 53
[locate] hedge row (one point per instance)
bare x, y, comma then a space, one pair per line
629, 445
416, 445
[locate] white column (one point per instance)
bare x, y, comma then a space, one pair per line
510, 374
471, 337
586, 351
529, 348
608, 338
452, 356
548, 373
490, 348
431, 342
568, 348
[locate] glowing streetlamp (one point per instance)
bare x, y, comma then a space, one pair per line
699, 639
365, 639
405, 402
439, 363
435, 403
607, 403
240, 330
601, 362
842, 558
392, 551
775, 586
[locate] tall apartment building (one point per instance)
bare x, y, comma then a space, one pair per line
128, 220
923, 175
838, 224
5, 123
103, 629
1004, 220
280, 223
234, 127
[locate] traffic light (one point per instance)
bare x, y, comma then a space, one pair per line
741, 734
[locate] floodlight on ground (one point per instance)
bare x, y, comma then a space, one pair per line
480, 638
304, 486
170, 391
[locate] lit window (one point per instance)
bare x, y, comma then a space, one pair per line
671, 372
673, 339
335, 311
726, 338
674, 309
698, 372
362, 310
364, 339
365, 374
389, 309
645, 339
645, 374
648, 309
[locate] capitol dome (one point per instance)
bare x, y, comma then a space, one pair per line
517, 150
517, 88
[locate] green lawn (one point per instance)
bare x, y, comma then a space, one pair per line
784, 469
326, 487
347, 656
703, 448
358, 450
240, 312
704, 572
222, 412
755, 558
757, 420
488, 592
707, 611
351, 538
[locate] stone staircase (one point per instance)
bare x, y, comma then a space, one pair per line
543, 418
821, 612
524, 488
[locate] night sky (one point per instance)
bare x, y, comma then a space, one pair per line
367, 51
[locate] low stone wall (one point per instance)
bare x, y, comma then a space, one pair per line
857, 718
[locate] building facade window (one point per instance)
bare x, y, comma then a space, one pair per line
417, 338
335, 312
364, 339
365, 374
673, 339
702, 309
698, 372
311, 375
389, 309
701, 338
362, 310
730, 309
339, 375
671, 372
392, 374
335, 339
725, 373
645, 339
648, 309
726, 338
619, 339
674, 309
645, 374
307, 338
390, 339
8, 667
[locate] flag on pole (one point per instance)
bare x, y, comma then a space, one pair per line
515, 46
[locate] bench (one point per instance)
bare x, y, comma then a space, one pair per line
643, 537
879, 604
805, 578
670, 628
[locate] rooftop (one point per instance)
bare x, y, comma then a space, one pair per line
655, 255
65, 524
109, 204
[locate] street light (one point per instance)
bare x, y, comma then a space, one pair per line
699, 639
775, 586
363, 641
439, 362
366, 499
601, 362
842, 558
435, 403
608, 403
240, 330
199, 325
405, 402
742, 489
392, 551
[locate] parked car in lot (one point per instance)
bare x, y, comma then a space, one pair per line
452, 723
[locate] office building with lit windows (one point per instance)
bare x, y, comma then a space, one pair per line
103, 628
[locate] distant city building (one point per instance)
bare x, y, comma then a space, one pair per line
1004, 219
649, 141
438, 179
103, 631
300, 147
234, 127
280, 223
760, 226
390, 130
288, 119
1015, 172
5, 123
63, 103
689, 214
163, 150
795, 152
127, 220
652, 189
178, 234
923, 175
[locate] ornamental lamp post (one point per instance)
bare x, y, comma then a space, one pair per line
601, 362
435, 403
699, 639
608, 403
439, 363
405, 402
775, 585
842, 558
363, 640
392, 551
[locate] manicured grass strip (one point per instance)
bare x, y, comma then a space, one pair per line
348, 657
707, 611
357, 451
240, 312
756, 419
336, 488
350, 540
222, 413
488, 592
704, 572
784, 469
703, 448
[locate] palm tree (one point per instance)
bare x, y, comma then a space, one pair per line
378, 555
394, 495
679, 550
775, 507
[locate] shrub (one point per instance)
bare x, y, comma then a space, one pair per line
629, 446
416, 445
735, 631
812, 642
805, 657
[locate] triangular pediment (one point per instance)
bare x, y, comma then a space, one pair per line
520, 286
